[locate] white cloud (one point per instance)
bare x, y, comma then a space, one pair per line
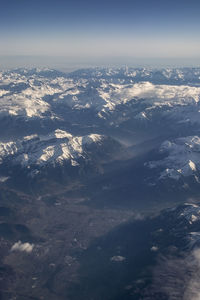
23, 247
156, 95
154, 248
178, 277
118, 258
193, 286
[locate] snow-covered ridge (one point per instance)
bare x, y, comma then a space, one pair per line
54, 148
23, 92
27, 93
20, 105
182, 158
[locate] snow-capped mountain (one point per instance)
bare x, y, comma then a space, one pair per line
181, 158
147, 100
88, 162
127, 100
55, 149
157, 76
52, 95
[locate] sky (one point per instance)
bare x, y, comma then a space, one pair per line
100, 32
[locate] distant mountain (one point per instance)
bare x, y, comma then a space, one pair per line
157, 76
35, 93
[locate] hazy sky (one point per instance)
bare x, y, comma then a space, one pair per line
101, 30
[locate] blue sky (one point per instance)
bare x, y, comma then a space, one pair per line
101, 30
